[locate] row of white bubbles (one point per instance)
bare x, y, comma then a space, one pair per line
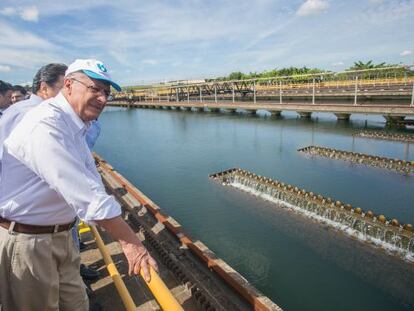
389, 235
402, 166
386, 136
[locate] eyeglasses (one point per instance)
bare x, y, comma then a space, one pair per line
94, 89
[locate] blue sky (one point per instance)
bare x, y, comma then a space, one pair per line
148, 41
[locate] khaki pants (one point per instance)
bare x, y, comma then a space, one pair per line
40, 272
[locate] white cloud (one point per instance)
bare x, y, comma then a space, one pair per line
28, 59
311, 7
30, 14
9, 11
13, 37
387, 12
273, 35
24, 49
149, 62
406, 53
4, 68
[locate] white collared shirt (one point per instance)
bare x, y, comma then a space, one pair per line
12, 115
49, 175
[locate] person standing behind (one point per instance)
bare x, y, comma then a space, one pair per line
52, 178
46, 84
18, 94
5, 95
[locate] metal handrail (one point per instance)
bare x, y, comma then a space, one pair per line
161, 292
157, 287
113, 272
162, 91
285, 77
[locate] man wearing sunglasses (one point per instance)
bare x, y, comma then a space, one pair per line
51, 180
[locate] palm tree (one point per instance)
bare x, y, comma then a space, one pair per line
360, 65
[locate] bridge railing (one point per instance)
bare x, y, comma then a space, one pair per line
397, 78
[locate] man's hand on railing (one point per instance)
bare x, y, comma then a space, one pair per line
139, 259
136, 254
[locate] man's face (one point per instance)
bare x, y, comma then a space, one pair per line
16, 96
5, 100
87, 96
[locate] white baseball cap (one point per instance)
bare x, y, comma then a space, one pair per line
94, 69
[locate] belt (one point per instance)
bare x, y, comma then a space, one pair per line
34, 229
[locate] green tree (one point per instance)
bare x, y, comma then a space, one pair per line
237, 75
360, 65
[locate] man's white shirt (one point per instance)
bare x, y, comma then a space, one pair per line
13, 114
48, 174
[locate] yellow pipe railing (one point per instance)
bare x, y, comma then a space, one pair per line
161, 293
113, 272
158, 288
83, 228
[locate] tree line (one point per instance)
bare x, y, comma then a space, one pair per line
293, 71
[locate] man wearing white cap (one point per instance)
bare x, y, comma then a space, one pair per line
51, 179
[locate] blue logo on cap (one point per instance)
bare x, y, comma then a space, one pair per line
102, 67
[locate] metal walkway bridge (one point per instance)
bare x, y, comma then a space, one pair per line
385, 91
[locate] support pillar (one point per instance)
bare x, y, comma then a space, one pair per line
343, 116
394, 121
305, 114
250, 111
